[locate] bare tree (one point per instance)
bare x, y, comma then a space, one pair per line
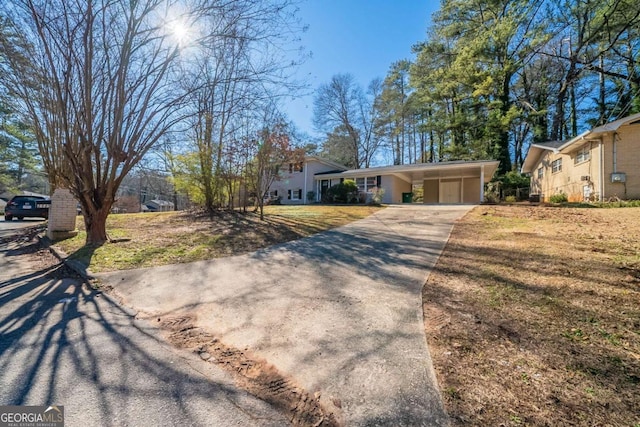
242, 67
98, 79
271, 150
341, 106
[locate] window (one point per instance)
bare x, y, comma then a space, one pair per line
295, 167
296, 194
272, 195
540, 173
371, 182
582, 155
556, 165
366, 184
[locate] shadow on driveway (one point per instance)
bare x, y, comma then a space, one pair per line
62, 343
340, 312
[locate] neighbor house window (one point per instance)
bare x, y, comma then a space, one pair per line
296, 194
583, 155
360, 184
540, 173
556, 166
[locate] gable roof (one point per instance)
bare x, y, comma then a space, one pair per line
336, 166
614, 126
550, 145
536, 150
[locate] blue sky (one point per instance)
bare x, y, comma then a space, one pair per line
361, 37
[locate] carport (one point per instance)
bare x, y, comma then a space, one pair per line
443, 183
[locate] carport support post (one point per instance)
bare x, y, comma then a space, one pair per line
62, 215
481, 183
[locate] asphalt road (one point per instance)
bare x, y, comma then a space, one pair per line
62, 343
7, 228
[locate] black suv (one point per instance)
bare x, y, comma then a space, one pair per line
27, 206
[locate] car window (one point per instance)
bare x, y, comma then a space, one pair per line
19, 199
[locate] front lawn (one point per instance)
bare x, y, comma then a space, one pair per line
533, 317
151, 239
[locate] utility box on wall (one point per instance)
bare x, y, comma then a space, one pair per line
619, 177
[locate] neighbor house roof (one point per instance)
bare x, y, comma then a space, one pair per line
330, 172
160, 202
614, 126
330, 163
535, 150
419, 171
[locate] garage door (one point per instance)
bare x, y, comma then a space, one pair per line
450, 190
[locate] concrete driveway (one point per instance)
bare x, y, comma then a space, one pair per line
340, 312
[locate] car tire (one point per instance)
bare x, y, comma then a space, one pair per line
20, 218
8, 218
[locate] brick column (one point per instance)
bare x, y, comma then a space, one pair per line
62, 215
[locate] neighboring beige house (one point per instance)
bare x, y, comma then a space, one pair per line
444, 182
597, 165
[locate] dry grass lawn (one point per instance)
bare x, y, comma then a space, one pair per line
533, 317
151, 239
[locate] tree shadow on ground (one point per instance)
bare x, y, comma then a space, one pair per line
62, 342
525, 319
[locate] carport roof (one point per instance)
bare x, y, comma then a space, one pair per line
420, 171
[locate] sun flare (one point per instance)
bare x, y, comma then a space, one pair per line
179, 31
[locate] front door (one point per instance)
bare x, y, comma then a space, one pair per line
324, 186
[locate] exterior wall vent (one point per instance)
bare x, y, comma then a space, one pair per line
585, 178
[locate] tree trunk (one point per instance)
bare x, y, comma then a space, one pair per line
95, 223
504, 156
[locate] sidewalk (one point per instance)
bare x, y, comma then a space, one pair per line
340, 312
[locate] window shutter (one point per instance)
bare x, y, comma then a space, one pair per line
290, 167
301, 167
341, 180
379, 181
275, 193
300, 194
289, 194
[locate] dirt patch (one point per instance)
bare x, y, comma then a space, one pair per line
251, 373
533, 317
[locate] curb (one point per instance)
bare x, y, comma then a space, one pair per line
76, 266
85, 273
